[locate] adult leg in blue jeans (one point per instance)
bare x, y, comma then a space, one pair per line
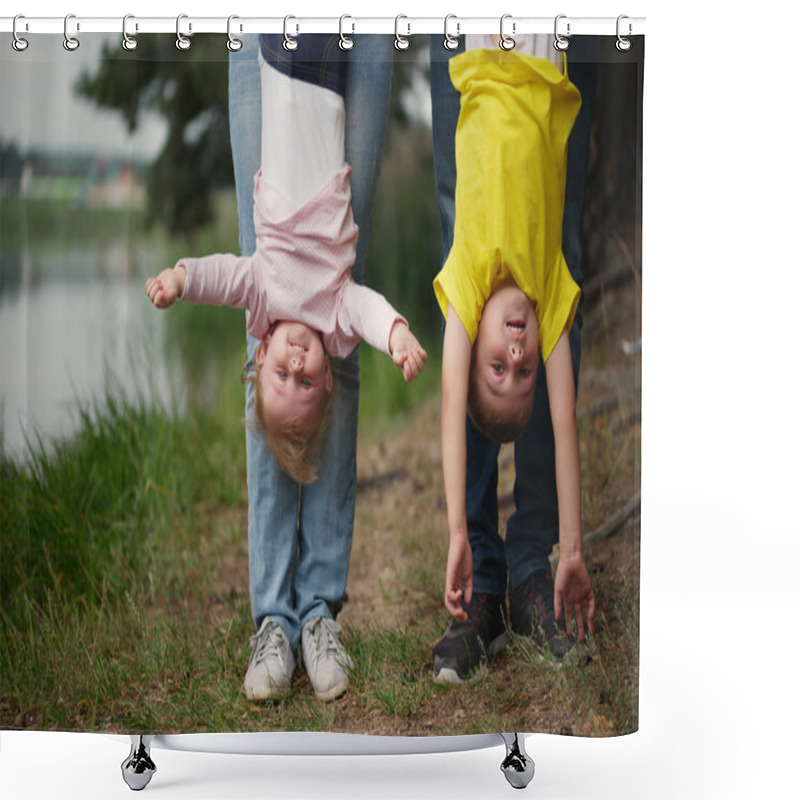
299, 540
533, 529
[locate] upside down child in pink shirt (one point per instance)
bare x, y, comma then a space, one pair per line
301, 300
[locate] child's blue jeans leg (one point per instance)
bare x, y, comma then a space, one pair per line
299, 546
272, 496
328, 505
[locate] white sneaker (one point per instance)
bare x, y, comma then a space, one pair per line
324, 658
269, 673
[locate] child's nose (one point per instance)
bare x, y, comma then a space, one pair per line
296, 363
515, 351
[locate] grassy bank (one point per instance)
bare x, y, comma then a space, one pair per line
125, 602
105, 550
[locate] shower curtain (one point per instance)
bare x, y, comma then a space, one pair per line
151, 543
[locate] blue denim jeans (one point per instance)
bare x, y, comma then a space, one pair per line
532, 530
300, 539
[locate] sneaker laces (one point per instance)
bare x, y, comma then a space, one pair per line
324, 632
267, 642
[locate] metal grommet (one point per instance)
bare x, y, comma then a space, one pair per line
70, 42
182, 42
288, 42
18, 43
623, 43
128, 42
401, 42
507, 42
451, 42
345, 42
561, 42
234, 44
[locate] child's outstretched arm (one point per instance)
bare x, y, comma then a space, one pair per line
366, 314
455, 380
222, 279
167, 287
573, 589
406, 351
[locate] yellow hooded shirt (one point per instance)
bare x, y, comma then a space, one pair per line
517, 112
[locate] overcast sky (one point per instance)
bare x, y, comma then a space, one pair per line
40, 109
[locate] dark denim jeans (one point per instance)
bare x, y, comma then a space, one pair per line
532, 530
320, 61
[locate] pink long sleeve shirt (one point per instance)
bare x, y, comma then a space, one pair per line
300, 271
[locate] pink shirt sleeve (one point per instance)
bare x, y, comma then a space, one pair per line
225, 280
365, 314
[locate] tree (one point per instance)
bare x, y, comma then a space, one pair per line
190, 90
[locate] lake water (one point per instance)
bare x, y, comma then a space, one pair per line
71, 324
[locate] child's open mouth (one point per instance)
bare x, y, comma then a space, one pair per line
516, 327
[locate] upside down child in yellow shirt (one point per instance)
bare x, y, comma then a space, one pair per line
507, 295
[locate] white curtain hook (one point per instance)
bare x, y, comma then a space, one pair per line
288, 42
623, 43
18, 43
128, 42
451, 42
234, 44
345, 42
182, 42
70, 42
507, 42
561, 42
401, 42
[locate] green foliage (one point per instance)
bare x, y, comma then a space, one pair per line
405, 252
11, 166
387, 669
386, 399
81, 517
191, 93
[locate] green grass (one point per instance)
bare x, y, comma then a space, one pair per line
83, 515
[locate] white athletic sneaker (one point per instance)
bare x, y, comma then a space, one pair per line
324, 658
269, 673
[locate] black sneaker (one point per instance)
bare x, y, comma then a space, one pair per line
533, 616
462, 654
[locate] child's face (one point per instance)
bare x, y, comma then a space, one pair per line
295, 373
506, 353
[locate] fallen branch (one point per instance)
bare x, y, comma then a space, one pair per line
611, 526
381, 480
615, 522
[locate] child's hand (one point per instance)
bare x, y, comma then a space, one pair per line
406, 351
164, 290
458, 580
573, 591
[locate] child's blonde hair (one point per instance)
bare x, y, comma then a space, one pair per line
293, 446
